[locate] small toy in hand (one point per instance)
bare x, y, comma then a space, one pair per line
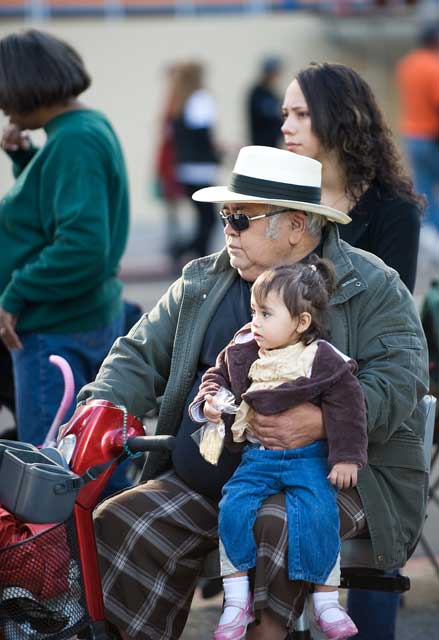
210, 438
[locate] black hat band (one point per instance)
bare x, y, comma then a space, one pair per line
272, 190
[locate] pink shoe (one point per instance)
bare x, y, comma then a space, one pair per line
339, 630
237, 628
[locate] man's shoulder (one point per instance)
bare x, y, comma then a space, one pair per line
368, 265
354, 266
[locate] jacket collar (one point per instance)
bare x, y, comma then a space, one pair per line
349, 280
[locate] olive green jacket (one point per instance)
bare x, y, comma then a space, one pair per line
374, 321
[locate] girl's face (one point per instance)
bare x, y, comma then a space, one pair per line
272, 325
296, 129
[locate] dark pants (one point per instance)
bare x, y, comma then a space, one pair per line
374, 613
6, 379
7, 398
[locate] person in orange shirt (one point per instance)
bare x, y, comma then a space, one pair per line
417, 78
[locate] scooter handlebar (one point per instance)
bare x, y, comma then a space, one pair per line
150, 443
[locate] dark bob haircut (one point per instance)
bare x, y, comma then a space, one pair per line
38, 70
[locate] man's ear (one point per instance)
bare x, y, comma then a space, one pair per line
297, 229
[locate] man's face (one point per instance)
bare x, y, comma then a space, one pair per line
253, 251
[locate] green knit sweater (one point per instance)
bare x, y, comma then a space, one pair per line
64, 226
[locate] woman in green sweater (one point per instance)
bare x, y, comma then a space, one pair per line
63, 226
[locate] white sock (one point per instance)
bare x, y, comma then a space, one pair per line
323, 598
236, 589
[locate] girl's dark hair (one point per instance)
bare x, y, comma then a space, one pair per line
347, 119
38, 70
303, 287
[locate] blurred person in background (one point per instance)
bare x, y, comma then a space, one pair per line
263, 105
167, 187
363, 177
194, 117
63, 226
417, 76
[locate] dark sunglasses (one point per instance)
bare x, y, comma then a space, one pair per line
240, 221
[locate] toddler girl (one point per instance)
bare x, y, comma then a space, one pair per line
285, 358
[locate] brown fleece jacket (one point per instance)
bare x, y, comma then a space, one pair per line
332, 386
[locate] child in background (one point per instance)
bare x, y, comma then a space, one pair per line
284, 355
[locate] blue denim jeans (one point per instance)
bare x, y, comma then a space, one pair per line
312, 513
424, 159
39, 385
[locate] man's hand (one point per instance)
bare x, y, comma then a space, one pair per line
344, 475
7, 330
291, 429
13, 139
210, 410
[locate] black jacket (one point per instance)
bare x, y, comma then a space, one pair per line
387, 226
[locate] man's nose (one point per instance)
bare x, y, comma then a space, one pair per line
229, 230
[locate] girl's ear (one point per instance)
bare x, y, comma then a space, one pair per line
304, 323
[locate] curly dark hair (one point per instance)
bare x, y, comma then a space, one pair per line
303, 287
346, 119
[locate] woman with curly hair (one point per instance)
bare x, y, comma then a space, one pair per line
331, 114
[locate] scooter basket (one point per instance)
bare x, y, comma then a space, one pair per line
32, 486
41, 587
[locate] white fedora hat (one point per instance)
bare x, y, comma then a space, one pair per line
274, 176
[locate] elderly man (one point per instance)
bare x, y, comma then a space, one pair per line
152, 539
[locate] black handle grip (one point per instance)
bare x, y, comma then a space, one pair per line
150, 443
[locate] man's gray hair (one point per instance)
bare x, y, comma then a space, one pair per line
315, 223
273, 227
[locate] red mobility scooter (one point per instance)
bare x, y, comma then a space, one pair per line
49, 580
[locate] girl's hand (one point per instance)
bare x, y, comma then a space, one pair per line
344, 475
13, 139
210, 411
